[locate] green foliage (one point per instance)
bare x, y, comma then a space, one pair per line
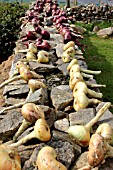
9, 27
99, 56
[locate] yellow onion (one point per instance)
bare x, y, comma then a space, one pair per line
106, 131
31, 112
43, 56
81, 133
66, 57
75, 79
30, 56
74, 61
46, 160
71, 51
69, 44
33, 48
81, 86
9, 158
41, 131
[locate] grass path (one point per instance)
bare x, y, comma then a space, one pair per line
99, 56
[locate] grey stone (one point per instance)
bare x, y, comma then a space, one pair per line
59, 49
63, 68
62, 124
9, 124
41, 68
82, 117
16, 89
58, 38
61, 97
40, 96
66, 152
105, 32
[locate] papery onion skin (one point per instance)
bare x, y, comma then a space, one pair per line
31, 112
46, 160
96, 150
9, 158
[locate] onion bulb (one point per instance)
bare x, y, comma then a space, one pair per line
81, 133
31, 112
9, 158
30, 56
71, 51
46, 160
43, 56
68, 45
106, 131
81, 86
99, 150
41, 131
81, 101
66, 57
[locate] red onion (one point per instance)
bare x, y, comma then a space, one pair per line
45, 34
38, 30
30, 35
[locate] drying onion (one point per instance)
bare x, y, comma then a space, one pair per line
9, 158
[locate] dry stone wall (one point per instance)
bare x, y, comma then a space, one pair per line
56, 101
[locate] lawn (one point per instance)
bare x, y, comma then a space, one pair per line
99, 56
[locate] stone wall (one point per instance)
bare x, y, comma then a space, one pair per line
56, 101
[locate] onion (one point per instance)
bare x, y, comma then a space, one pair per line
66, 57
38, 30
46, 160
99, 150
81, 101
69, 44
45, 46
35, 22
30, 56
67, 37
45, 34
43, 56
33, 48
9, 158
81, 86
30, 35
106, 131
81, 133
41, 131
31, 113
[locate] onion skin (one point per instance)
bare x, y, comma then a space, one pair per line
9, 158
96, 150
46, 160
106, 131
79, 134
31, 112
69, 44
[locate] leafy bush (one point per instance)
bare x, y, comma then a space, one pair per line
9, 27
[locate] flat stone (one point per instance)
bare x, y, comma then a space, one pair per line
9, 124
62, 125
105, 32
82, 117
40, 96
41, 68
59, 49
16, 89
61, 96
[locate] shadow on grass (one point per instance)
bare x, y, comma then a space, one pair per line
99, 56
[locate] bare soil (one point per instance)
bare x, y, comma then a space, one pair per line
5, 67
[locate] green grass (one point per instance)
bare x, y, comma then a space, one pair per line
99, 56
